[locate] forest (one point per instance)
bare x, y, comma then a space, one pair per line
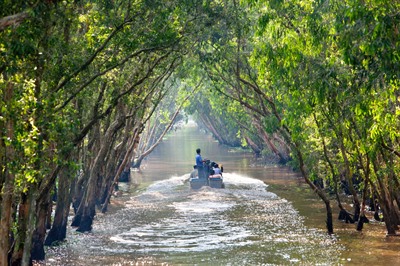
90, 87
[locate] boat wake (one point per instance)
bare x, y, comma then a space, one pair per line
243, 221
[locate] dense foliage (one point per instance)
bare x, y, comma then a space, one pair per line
88, 85
319, 83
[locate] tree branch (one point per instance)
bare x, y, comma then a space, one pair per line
12, 20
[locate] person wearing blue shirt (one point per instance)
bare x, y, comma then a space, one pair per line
199, 164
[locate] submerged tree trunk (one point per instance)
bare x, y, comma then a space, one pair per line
363, 219
343, 214
320, 193
87, 206
39, 234
121, 167
349, 177
114, 161
58, 230
385, 202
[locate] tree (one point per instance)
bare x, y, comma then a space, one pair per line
69, 69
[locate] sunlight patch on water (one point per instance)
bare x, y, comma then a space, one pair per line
170, 224
242, 219
197, 221
201, 205
182, 235
247, 188
167, 184
238, 179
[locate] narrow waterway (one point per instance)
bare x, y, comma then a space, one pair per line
161, 221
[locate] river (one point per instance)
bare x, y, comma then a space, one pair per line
264, 216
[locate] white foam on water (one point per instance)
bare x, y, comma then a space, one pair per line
202, 206
238, 179
167, 184
197, 221
182, 234
190, 221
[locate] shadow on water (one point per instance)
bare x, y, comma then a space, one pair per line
161, 221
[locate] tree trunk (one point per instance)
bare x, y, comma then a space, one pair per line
87, 207
5, 222
363, 219
42, 207
343, 214
138, 162
8, 186
329, 221
77, 197
320, 193
257, 150
210, 125
12, 20
26, 256
114, 161
267, 139
284, 146
59, 228
391, 227
121, 167
396, 192
22, 223
385, 202
349, 177
49, 212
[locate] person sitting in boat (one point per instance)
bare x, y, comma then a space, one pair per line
194, 173
200, 164
217, 170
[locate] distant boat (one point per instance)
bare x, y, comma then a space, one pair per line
207, 178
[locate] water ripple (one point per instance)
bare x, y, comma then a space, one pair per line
242, 224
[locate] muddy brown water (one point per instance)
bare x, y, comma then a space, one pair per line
266, 215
